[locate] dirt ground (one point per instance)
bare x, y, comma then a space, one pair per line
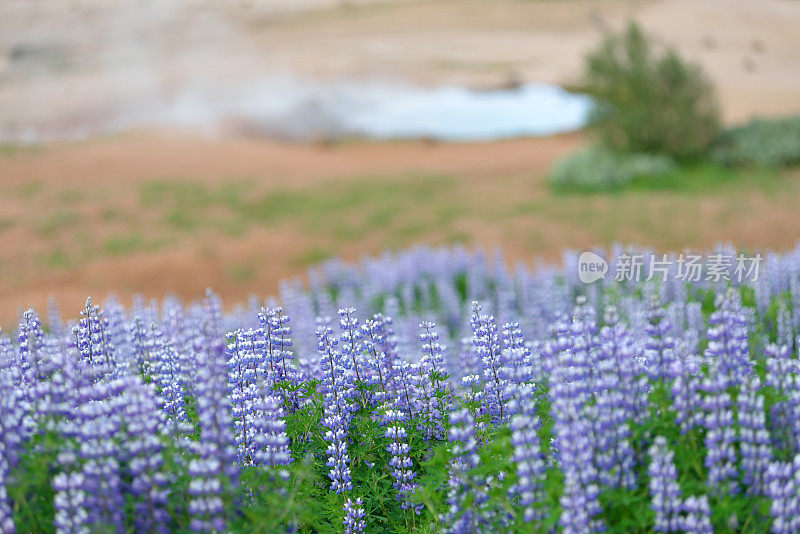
153, 214
160, 211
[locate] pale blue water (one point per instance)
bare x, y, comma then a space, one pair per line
378, 110
289, 108
460, 114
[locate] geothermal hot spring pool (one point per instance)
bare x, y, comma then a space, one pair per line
388, 111
295, 110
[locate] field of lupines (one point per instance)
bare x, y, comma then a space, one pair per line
433, 390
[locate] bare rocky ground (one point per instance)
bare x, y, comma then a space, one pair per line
159, 210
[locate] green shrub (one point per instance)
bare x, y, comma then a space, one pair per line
761, 142
598, 169
647, 101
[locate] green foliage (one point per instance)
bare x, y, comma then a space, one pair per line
761, 142
648, 101
598, 169
31, 491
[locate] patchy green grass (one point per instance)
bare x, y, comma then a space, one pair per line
112, 214
29, 190
57, 222
70, 197
707, 177
189, 194
8, 150
341, 211
312, 255
183, 219
121, 245
58, 259
380, 195
241, 272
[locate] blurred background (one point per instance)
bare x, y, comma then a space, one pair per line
163, 146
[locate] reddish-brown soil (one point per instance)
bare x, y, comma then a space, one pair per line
75, 220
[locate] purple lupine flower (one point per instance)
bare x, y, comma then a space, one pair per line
354, 516
432, 358
387, 342
12, 413
144, 448
614, 458
212, 469
573, 429
474, 395
243, 361
461, 519
206, 505
70, 503
54, 322
686, 398
187, 338
338, 459
659, 345
91, 342
212, 327
330, 359
278, 349
781, 375
728, 339
430, 381
782, 484
406, 392
380, 362
116, 334
352, 348
720, 433
584, 343
573, 365
95, 426
559, 339
665, 493
270, 441
337, 412
621, 368
528, 455
695, 327
166, 374
31, 352
579, 506
574, 417
487, 348
449, 302
400, 464
780, 367
754, 440
6, 512
140, 342
516, 355
697, 516
8, 359
12, 418
785, 326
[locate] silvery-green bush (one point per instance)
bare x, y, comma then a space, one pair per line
649, 100
761, 142
598, 169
